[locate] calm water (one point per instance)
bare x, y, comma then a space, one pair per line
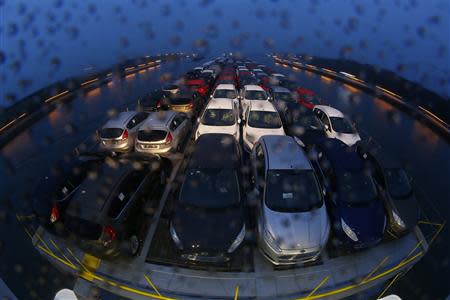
28, 156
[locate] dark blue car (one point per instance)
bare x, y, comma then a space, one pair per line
354, 203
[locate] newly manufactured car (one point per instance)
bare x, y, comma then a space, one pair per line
402, 206
208, 221
119, 132
252, 93
186, 102
162, 132
226, 91
53, 192
337, 126
220, 116
292, 219
354, 203
153, 101
304, 124
283, 99
107, 214
260, 118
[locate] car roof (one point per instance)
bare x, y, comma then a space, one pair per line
253, 87
216, 151
280, 89
158, 119
261, 105
340, 155
93, 194
225, 86
120, 120
220, 103
284, 153
330, 111
278, 75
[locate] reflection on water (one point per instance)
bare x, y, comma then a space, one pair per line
326, 80
93, 93
424, 135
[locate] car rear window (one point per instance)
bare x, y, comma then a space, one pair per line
151, 135
180, 101
110, 133
125, 192
255, 95
85, 229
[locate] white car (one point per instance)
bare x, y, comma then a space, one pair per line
226, 91
209, 72
260, 118
253, 93
276, 77
220, 116
336, 125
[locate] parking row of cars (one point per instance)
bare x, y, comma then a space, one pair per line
310, 174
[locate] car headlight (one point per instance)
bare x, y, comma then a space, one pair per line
348, 231
175, 237
398, 220
271, 241
238, 240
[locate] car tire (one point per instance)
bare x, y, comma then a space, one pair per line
135, 245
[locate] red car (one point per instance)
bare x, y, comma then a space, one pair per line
197, 84
307, 98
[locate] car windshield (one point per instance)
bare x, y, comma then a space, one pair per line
255, 95
309, 121
398, 183
110, 133
225, 94
356, 187
284, 97
342, 125
210, 188
264, 119
292, 191
218, 117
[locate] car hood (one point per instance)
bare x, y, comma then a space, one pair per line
368, 222
408, 209
298, 230
232, 129
259, 132
200, 229
348, 138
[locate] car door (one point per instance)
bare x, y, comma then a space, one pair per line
244, 126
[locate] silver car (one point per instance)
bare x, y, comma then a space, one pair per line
293, 225
162, 131
118, 133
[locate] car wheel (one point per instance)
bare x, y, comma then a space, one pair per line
135, 244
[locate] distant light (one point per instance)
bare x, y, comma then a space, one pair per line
347, 74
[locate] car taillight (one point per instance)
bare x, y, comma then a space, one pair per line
202, 90
191, 104
54, 214
108, 235
125, 135
169, 138
158, 104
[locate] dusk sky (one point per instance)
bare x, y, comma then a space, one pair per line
42, 41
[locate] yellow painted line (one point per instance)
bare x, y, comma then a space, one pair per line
152, 285
389, 285
129, 68
59, 250
431, 114
143, 293
352, 286
414, 249
236, 292
376, 268
430, 223
318, 286
78, 261
89, 81
91, 262
56, 96
388, 91
436, 234
28, 233
51, 254
42, 241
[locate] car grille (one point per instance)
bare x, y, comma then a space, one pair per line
206, 257
298, 257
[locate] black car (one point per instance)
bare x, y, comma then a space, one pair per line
107, 214
153, 101
303, 124
53, 193
394, 182
208, 222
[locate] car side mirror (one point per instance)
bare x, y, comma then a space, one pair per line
198, 120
